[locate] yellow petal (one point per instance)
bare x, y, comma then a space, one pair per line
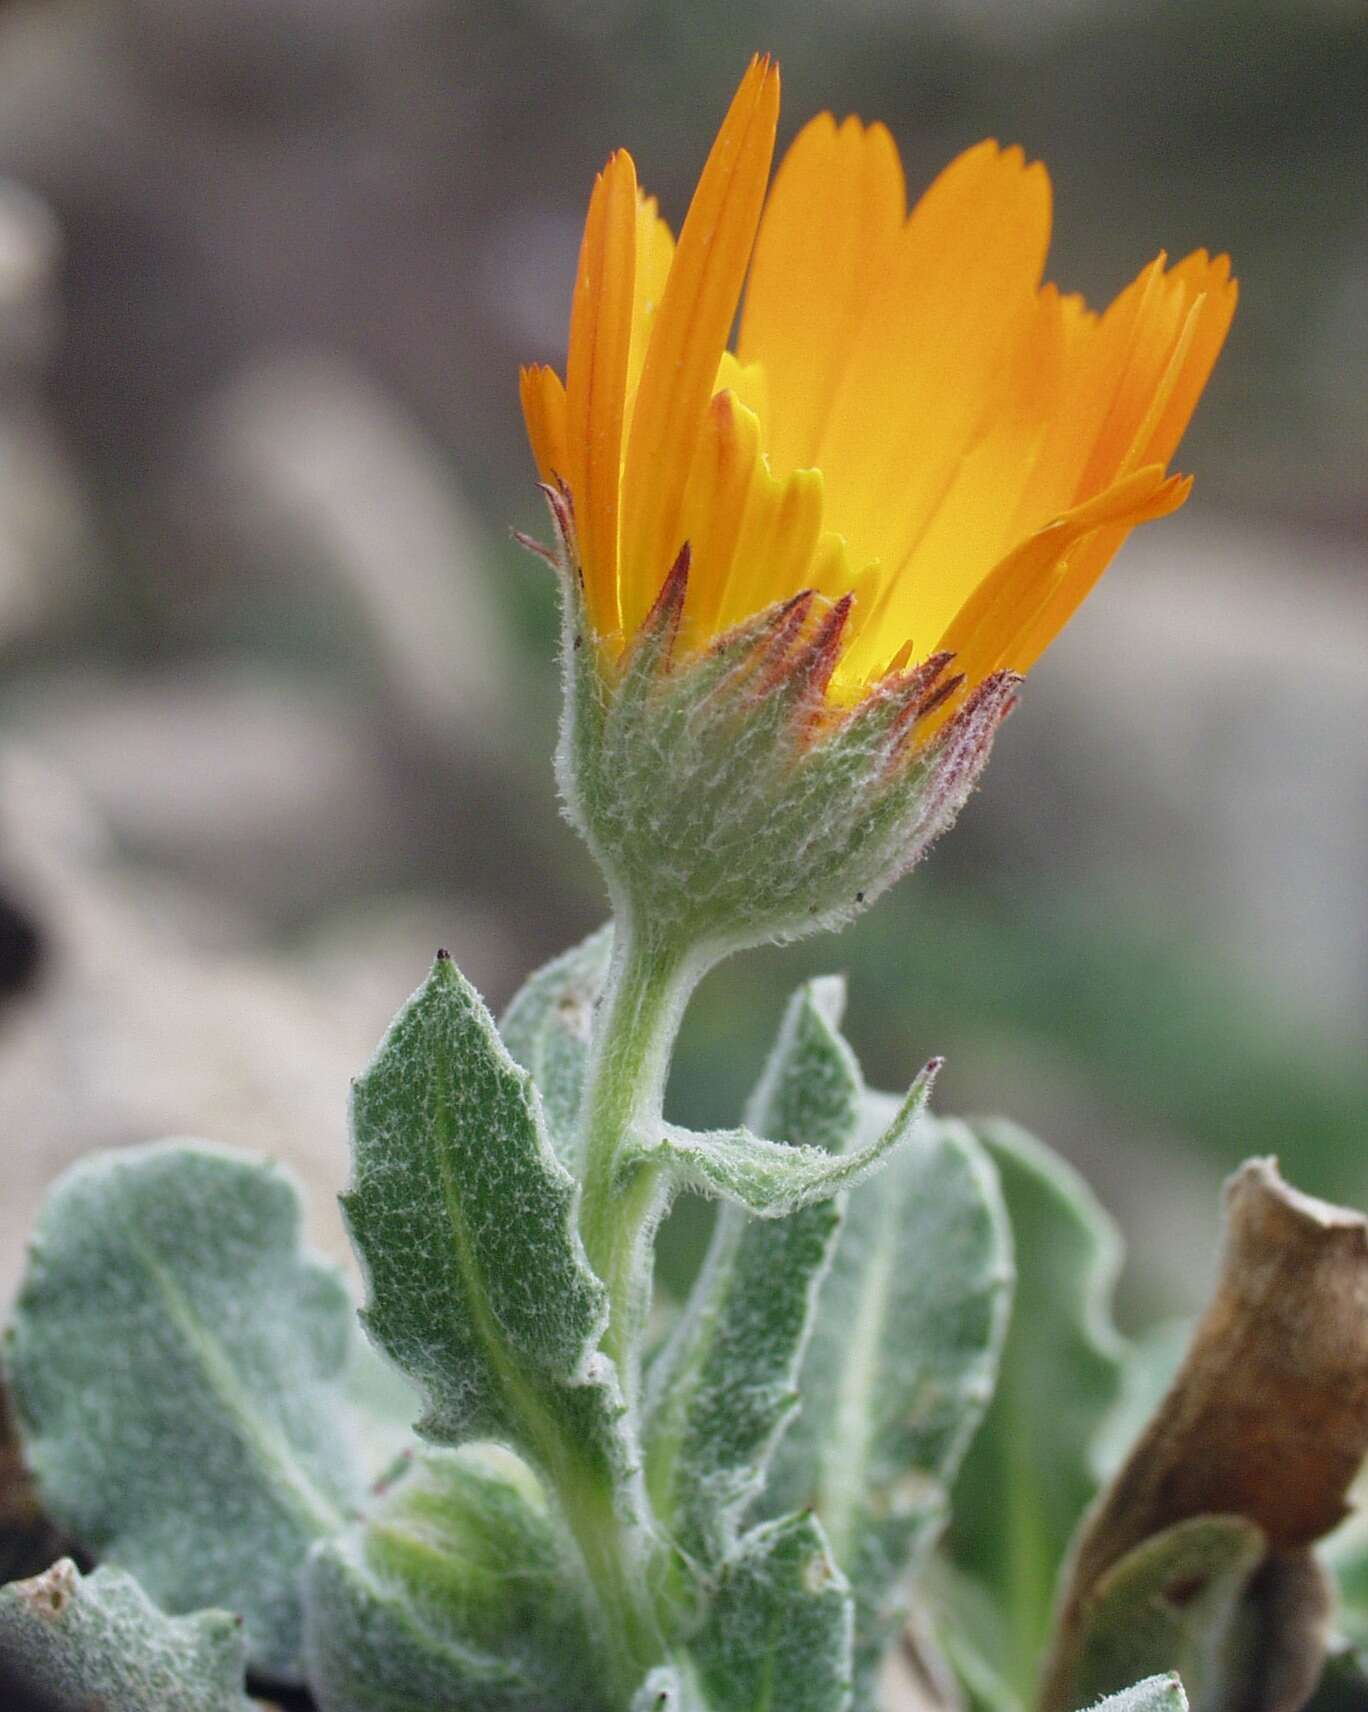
1002, 622
774, 551
654, 254
725, 466
910, 418
1208, 283
752, 536
689, 334
543, 406
831, 223
928, 355
972, 527
596, 379
749, 385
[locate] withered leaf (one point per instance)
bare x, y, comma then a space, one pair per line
1261, 1434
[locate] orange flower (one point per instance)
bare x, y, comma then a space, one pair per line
910, 417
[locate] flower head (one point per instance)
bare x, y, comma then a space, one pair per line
889, 498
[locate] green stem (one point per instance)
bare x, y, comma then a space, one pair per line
648, 987
629, 1628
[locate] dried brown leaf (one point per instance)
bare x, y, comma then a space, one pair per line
1266, 1421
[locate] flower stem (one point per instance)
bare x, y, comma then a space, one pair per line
648, 987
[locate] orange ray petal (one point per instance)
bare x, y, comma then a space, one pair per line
972, 527
596, 378
928, 356
689, 335
774, 551
1002, 624
1209, 282
830, 226
655, 248
726, 464
543, 407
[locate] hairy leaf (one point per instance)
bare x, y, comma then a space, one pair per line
778, 1635
811, 1089
97, 1641
900, 1367
724, 1388
1029, 1474
771, 1180
455, 1592
176, 1364
478, 1284
546, 1029
1154, 1694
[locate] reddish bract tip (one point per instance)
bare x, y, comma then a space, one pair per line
663, 618
814, 666
774, 649
534, 546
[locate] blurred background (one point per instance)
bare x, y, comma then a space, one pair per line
278, 694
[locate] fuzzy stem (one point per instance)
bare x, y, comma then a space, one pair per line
648, 987
628, 1627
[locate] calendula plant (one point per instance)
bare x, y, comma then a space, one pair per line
800, 582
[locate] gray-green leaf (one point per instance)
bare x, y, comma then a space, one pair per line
724, 1389
910, 1325
1030, 1472
461, 1213
771, 1180
547, 1028
98, 1641
176, 1363
811, 1089
778, 1635
1154, 1694
456, 1592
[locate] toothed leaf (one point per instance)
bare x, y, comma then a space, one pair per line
176, 1364
478, 1285
98, 1641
